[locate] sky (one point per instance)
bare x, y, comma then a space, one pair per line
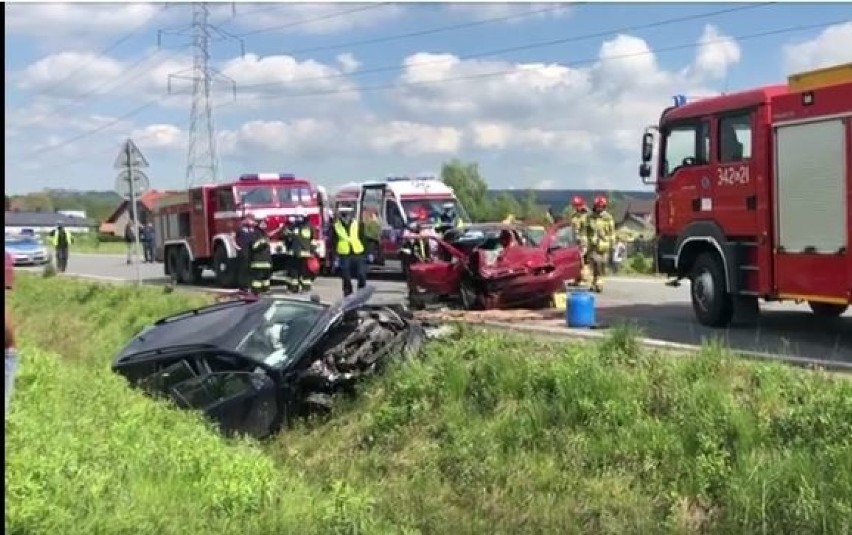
545, 96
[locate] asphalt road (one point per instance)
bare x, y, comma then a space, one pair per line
663, 313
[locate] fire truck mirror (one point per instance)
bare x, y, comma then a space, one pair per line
647, 146
644, 171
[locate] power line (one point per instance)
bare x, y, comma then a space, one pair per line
114, 45
202, 163
109, 82
528, 46
93, 131
430, 31
586, 61
576, 63
314, 19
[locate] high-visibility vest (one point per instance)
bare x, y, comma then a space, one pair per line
348, 243
54, 239
601, 231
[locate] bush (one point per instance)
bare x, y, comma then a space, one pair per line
489, 433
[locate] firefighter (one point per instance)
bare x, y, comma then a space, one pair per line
579, 219
243, 239
413, 248
300, 246
347, 245
286, 234
260, 263
600, 227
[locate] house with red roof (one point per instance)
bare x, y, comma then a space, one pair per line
146, 206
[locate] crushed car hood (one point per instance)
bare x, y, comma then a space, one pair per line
225, 325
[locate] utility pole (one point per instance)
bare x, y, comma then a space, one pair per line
131, 183
202, 164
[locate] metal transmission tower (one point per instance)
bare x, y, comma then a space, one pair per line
202, 160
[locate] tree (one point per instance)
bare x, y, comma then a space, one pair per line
471, 189
528, 206
502, 205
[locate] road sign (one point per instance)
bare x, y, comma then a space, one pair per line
140, 181
130, 155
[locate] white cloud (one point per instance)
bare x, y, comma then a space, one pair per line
159, 136
75, 21
309, 137
315, 18
832, 46
348, 62
716, 53
68, 74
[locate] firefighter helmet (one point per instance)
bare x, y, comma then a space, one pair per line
600, 202
578, 203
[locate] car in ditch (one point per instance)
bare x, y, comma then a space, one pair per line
496, 265
252, 364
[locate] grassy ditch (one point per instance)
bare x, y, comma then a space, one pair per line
488, 434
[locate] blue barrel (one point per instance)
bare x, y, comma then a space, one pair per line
580, 311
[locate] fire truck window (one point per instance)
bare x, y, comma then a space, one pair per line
394, 215
295, 194
258, 196
735, 138
681, 148
225, 200
183, 225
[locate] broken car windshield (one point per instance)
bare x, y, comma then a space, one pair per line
282, 329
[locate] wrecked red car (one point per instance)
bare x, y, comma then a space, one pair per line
495, 265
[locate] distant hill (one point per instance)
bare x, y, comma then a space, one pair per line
558, 199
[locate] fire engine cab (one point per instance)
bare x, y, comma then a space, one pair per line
396, 202
195, 229
754, 198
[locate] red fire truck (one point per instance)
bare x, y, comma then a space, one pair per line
195, 229
754, 198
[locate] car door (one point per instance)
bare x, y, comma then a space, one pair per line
239, 401
440, 275
560, 243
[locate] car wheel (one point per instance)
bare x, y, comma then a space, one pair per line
468, 295
827, 310
225, 278
711, 302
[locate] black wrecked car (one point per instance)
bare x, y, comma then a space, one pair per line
251, 364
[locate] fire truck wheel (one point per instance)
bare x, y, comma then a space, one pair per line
222, 268
827, 310
712, 304
187, 271
172, 265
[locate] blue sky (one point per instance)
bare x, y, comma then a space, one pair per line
552, 117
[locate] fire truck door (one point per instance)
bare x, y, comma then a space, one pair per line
685, 187
198, 225
371, 202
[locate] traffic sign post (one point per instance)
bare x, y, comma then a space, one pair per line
132, 183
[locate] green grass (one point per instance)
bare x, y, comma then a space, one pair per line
488, 434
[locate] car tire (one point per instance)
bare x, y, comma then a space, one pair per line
222, 267
468, 295
711, 302
827, 310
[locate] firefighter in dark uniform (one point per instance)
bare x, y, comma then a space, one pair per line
260, 263
243, 238
349, 249
300, 245
290, 260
